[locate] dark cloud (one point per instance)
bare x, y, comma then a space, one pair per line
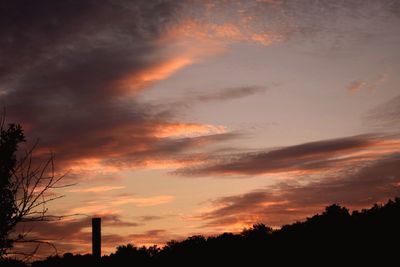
69, 85
76, 72
291, 201
317, 155
70, 73
35, 31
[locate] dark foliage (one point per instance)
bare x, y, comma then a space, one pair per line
335, 237
10, 138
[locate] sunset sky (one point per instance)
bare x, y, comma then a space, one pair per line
176, 118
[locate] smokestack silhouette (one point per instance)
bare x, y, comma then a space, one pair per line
96, 238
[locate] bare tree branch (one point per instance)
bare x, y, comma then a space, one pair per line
25, 185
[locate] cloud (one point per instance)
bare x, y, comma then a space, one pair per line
355, 86
76, 86
142, 201
318, 156
201, 97
96, 189
157, 237
196, 28
109, 204
148, 218
287, 202
225, 94
156, 73
269, 22
370, 85
187, 130
170, 152
71, 91
52, 28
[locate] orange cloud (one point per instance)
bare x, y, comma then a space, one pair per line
96, 189
264, 39
91, 163
172, 163
156, 145
91, 208
187, 129
156, 73
226, 32
192, 40
164, 70
142, 201
109, 206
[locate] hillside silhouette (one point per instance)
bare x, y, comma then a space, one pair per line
332, 238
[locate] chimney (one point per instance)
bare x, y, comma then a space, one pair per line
96, 238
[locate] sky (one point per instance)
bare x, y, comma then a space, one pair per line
178, 118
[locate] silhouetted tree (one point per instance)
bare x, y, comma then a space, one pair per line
23, 189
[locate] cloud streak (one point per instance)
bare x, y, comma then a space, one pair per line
290, 201
308, 157
109, 204
223, 94
96, 189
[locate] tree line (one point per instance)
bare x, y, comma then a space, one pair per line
334, 237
